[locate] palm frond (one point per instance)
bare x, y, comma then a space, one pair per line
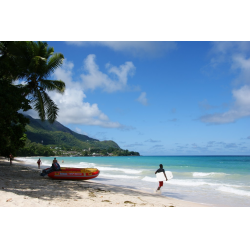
50, 51
38, 103
53, 85
55, 61
34, 62
50, 108
45, 107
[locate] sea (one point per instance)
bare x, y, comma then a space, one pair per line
222, 181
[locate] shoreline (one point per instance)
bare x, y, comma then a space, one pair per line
22, 186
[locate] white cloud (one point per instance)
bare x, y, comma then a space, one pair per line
136, 48
143, 99
235, 54
116, 80
228, 47
78, 130
240, 109
72, 107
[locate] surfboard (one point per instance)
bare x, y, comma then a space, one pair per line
161, 177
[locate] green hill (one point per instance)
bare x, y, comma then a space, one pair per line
44, 138
58, 135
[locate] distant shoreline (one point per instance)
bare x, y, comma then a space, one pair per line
82, 156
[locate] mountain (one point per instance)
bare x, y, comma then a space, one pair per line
58, 135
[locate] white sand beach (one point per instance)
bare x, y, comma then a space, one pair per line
22, 186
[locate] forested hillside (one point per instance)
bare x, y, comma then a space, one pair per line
45, 138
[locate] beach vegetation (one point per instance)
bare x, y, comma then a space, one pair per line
25, 69
32, 63
35, 149
55, 139
12, 123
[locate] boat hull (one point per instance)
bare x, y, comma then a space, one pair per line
75, 174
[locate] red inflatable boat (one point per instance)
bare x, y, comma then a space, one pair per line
75, 174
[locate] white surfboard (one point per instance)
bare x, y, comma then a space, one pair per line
161, 177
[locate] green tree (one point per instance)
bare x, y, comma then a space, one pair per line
33, 62
12, 123
85, 153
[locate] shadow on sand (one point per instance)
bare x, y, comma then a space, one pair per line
22, 180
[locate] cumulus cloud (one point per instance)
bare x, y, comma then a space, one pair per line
73, 109
240, 109
235, 54
72, 105
135, 48
114, 81
143, 99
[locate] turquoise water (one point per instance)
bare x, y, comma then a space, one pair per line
215, 180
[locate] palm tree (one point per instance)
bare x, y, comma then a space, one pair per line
34, 62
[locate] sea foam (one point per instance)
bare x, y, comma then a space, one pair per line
119, 176
202, 174
234, 191
128, 171
177, 182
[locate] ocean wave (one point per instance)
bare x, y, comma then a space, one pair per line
150, 179
108, 168
128, 171
177, 182
192, 183
25, 159
234, 191
119, 176
203, 174
33, 162
87, 165
189, 182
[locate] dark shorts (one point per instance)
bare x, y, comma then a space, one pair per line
160, 183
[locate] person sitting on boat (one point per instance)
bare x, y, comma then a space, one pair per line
55, 167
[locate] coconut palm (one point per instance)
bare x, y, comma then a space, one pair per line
34, 62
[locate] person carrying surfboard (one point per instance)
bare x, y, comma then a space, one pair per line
159, 171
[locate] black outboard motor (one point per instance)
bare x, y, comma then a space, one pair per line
54, 167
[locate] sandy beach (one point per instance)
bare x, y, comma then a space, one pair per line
21, 186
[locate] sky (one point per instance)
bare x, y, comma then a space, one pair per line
158, 98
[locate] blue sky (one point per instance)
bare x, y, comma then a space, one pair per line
158, 98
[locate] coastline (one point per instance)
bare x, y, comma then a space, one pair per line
21, 186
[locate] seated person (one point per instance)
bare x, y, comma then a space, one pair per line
55, 167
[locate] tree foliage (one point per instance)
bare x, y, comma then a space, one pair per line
12, 123
32, 63
35, 149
